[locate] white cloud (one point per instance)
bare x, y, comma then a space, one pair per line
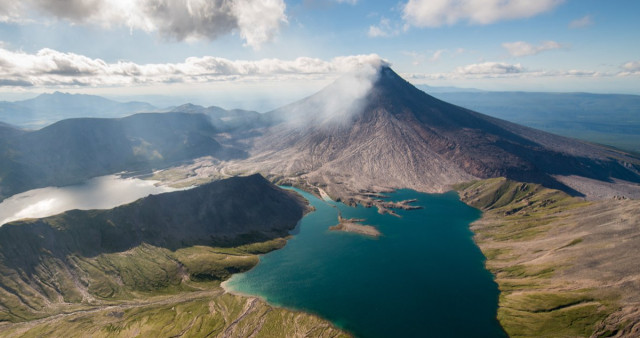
494, 70
384, 29
51, 68
257, 21
521, 48
435, 13
630, 68
490, 68
584, 21
350, 2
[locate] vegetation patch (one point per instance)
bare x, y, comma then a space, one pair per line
517, 220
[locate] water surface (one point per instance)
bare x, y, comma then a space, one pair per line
102, 192
424, 277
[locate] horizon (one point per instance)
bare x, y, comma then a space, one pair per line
266, 101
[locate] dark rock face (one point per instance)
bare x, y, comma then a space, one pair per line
403, 137
232, 211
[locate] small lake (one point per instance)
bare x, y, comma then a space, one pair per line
102, 192
424, 277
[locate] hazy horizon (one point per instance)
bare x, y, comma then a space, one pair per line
261, 101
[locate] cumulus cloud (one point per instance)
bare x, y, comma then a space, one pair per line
51, 68
435, 13
256, 21
584, 21
521, 48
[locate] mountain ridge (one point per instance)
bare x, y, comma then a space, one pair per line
73, 150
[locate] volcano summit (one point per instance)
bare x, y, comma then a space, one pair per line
391, 135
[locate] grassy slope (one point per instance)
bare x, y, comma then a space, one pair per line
149, 291
535, 301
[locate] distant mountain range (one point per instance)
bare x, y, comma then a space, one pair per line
221, 119
46, 109
610, 119
73, 150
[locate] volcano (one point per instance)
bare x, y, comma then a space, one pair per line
392, 135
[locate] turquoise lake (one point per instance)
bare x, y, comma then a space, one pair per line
424, 277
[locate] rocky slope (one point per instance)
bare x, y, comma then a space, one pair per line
80, 256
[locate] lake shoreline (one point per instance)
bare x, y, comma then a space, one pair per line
551, 257
274, 281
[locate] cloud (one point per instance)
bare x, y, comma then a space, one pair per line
630, 68
257, 21
339, 102
383, 29
493, 70
436, 13
490, 68
521, 48
51, 68
350, 2
584, 21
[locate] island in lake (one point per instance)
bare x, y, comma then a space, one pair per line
354, 225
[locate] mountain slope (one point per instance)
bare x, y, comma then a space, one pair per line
77, 256
73, 150
397, 136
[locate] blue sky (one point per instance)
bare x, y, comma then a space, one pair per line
209, 51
